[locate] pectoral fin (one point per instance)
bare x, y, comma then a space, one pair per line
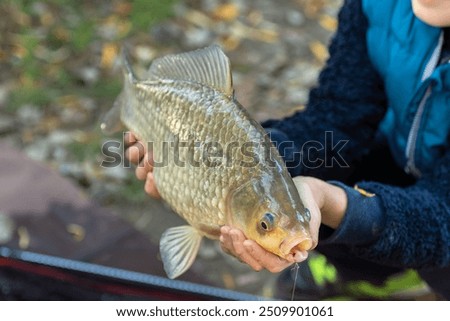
179, 247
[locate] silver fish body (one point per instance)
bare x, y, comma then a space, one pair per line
214, 165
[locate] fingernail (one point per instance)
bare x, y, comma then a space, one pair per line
300, 256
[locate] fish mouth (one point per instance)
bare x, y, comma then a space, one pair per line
299, 244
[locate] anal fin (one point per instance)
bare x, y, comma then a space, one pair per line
179, 247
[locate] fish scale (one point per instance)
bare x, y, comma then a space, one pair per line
181, 104
187, 103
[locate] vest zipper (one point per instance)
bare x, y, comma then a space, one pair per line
412, 137
410, 167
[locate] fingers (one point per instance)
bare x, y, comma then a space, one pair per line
234, 242
137, 153
150, 186
145, 166
129, 139
306, 195
265, 259
135, 149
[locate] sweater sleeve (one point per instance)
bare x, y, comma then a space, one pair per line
343, 111
399, 226
416, 228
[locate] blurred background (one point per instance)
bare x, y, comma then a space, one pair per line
60, 73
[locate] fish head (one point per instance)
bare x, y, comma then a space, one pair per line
271, 213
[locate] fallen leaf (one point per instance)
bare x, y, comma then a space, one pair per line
123, 8
299, 108
61, 33
226, 12
319, 50
328, 22
47, 19
109, 54
230, 42
311, 8
24, 237
77, 231
228, 281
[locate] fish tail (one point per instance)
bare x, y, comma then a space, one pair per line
129, 75
112, 122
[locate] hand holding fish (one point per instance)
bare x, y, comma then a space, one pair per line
207, 158
327, 204
137, 153
234, 242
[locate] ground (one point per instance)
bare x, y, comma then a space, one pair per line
60, 74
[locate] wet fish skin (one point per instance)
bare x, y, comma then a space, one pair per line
187, 110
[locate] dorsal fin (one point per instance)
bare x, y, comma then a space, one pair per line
208, 66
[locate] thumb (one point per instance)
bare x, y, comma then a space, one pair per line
309, 202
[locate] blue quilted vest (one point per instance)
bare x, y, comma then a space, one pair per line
405, 51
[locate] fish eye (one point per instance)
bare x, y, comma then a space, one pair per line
267, 222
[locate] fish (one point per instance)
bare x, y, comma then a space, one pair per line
214, 165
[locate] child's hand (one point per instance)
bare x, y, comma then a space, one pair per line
138, 154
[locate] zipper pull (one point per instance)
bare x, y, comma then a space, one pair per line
411, 169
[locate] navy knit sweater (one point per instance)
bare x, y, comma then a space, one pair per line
407, 223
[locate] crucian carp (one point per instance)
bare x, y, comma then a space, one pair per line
220, 167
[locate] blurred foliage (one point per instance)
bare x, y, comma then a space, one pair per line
60, 57
83, 150
133, 191
47, 43
148, 12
